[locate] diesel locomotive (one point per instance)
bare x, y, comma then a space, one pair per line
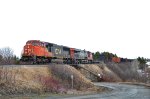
36, 51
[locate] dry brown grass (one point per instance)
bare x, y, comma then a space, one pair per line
110, 76
22, 79
107, 74
127, 71
64, 72
92, 68
28, 79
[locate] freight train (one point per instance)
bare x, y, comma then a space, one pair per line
36, 51
112, 58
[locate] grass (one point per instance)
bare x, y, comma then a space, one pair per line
54, 78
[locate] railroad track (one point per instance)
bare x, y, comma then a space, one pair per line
48, 64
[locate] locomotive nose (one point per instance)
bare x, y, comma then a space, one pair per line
27, 50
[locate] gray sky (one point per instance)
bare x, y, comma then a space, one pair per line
117, 26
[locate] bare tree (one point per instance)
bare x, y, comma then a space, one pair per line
6, 56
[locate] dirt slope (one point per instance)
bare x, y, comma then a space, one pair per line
107, 74
22, 79
40, 79
127, 71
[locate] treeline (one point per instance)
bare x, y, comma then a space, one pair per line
106, 56
7, 57
142, 62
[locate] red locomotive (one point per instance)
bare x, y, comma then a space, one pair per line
36, 51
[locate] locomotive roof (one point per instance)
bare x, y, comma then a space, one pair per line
56, 45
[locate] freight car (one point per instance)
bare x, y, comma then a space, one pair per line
116, 59
36, 51
120, 60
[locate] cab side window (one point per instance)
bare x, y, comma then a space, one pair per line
48, 48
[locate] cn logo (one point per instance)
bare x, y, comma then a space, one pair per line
57, 51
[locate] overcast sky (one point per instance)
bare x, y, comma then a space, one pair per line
117, 26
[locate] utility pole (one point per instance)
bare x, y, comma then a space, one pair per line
72, 81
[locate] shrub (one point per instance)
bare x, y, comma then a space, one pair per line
52, 85
64, 72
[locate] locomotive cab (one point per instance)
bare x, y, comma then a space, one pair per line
28, 49
35, 50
